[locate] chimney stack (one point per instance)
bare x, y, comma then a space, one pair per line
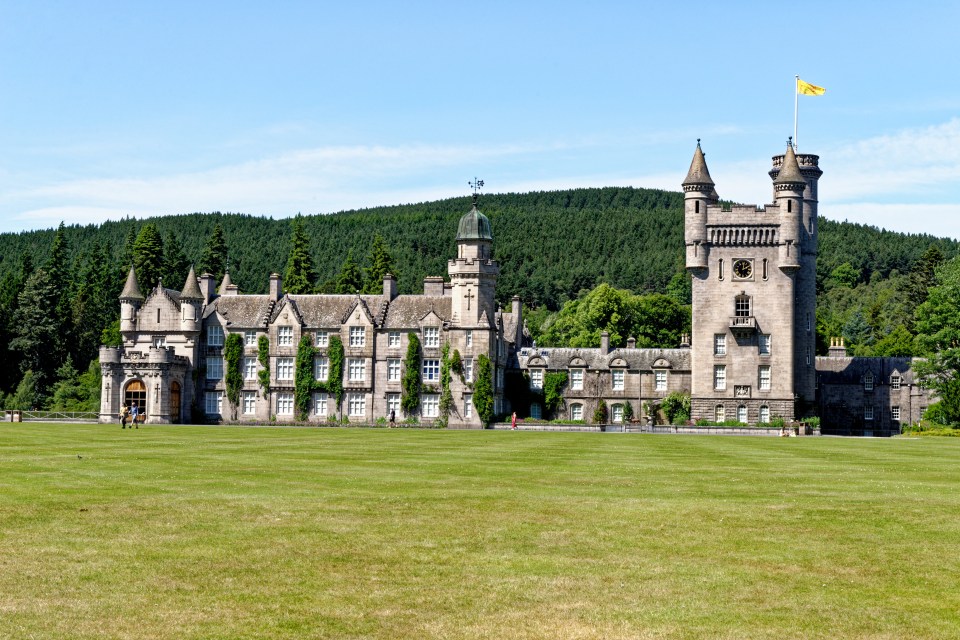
604, 343
276, 286
389, 287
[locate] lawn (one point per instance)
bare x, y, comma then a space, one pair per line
233, 532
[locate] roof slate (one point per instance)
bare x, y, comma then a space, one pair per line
405, 312
242, 311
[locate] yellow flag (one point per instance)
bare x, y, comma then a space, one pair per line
807, 89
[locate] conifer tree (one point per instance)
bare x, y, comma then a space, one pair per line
37, 331
381, 263
214, 260
148, 256
126, 255
350, 279
176, 266
300, 275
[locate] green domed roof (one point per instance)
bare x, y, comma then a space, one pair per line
474, 226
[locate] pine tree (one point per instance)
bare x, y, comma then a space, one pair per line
148, 256
176, 266
350, 279
126, 255
37, 331
300, 275
214, 260
381, 263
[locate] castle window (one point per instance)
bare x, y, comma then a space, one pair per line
764, 268
616, 381
214, 368
249, 368
895, 381
789, 206
215, 336
213, 402
868, 382
808, 357
468, 337
660, 380
357, 403
719, 344
616, 413
720, 377
763, 344
358, 336
249, 338
576, 379
323, 339
536, 379
393, 339
576, 412
535, 411
431, 337
393, 403
808, 322
284, 368
393, 370
720, 269
159, 341
284, 336
468, 369
321, 368
742, 414
468, 406
895, 413
431, 370
868, 412
357, 369
741, 306
249, 403
431, 405
284, 404
320, 404
719, 413
764, 375
696, 206
764, 414
499, 378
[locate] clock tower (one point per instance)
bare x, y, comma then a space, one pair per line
754, 295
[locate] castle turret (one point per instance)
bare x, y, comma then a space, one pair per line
191, 303
789, 186
698, 192
130, 301
473, 274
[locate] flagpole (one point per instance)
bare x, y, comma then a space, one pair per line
796, 101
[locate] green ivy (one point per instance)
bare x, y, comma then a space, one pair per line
446, 394
410, 398
263, 357
233, 354
553, 385
334, 383
456, 364
303, 384
483, 390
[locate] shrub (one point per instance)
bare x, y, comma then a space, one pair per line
601, 414
676, 407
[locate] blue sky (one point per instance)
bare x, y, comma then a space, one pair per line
109, 109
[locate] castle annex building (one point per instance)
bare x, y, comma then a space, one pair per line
751, 356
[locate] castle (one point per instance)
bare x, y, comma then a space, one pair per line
751, 357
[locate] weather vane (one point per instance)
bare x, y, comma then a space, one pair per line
476, 185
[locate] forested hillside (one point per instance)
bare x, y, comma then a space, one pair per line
59, 288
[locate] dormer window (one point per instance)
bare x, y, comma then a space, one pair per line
358, 336
285, 336
431, 337
215, 336
895, 381
323, 339
868, 382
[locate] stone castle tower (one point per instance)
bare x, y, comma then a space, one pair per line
754, 294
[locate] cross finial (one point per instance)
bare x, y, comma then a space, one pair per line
698, 142
790, 141
476, 185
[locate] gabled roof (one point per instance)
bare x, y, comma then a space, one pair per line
406, 312
330, 311
131, 290
698, 173
242, 311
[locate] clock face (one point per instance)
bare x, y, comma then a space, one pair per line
742, 269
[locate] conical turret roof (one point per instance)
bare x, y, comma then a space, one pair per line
790, 169
698, 174
474, 226
226, 283
191, 290
131, 290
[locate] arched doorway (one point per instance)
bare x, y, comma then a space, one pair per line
136, 391
175, 402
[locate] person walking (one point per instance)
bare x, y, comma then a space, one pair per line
123, 416
513, 422
134, 413
393, 417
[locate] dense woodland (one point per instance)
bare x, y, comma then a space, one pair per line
582, 261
